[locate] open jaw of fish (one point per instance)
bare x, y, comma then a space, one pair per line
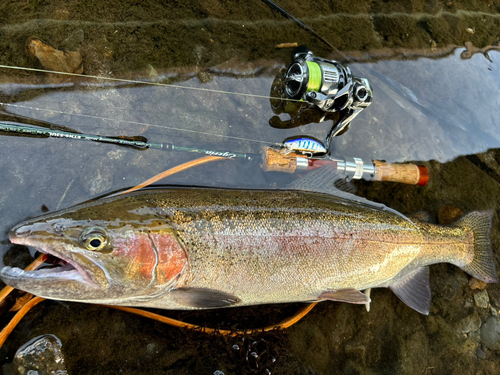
97, 257
68, 270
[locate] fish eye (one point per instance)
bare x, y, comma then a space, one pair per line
94, 239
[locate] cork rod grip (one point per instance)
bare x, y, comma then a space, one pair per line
276, 161
405, 173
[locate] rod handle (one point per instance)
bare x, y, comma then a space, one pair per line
274, 160
405, 173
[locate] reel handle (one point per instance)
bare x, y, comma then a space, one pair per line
280, 160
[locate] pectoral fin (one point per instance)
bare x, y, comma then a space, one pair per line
345, 295
203, 298
414, 290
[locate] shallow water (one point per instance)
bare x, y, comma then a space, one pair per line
431, 105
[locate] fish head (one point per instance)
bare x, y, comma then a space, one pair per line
115, 251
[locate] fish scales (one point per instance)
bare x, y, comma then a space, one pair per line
191, 248
289, 246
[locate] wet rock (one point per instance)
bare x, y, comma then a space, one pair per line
475, 336
449, 286
353, 368
41, 355
494, 294
413, 351
74, 40
61, 14
152, 74
469, 324
53, 59
481, 299
152, 348
469, 347
448, 214
97, 175
468, 303
357, 352
477, 284
312, 348
490, 333
480, 353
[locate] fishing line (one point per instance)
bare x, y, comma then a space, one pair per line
143, 82
138, 123
284, 13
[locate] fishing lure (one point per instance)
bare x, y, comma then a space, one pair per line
306, 145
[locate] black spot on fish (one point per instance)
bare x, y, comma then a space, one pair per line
44, 208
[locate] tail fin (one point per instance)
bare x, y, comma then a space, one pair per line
482, 266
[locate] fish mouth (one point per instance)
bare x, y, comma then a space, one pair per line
57, 267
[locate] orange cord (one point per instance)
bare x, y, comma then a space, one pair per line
19, 315
177, 323
177, 169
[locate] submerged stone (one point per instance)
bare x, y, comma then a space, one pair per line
477, 284
39, 356
481, 299
56, 60
490, 333
469, 324
480, 353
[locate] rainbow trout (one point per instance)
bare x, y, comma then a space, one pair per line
199, 248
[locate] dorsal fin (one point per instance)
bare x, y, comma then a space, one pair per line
328, 180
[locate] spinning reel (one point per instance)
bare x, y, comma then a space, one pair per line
313, 89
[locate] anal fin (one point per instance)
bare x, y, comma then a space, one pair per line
414, 289
203, 298
345, 295
367, 293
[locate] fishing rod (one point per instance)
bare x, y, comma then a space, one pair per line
286, 14
295, 155
12, 127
